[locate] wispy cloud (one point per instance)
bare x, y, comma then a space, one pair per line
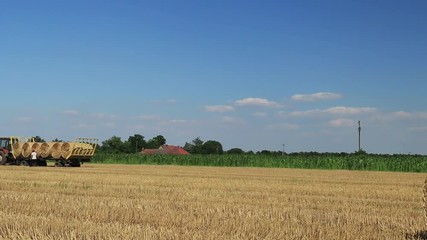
400, 115
282, 113
219, 108
151, 117
260, 114
110, 125
137, 127
418, 129
168, 101
232, 120
25, 119
316, 96
408, 115
350, 110
178, 121
282, 126
342, 122
71, 112
260, 102
105, 116
340, 110
83, 126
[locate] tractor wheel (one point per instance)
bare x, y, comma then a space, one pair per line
3, 159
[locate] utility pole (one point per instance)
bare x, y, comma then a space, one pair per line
283, 150
360, 129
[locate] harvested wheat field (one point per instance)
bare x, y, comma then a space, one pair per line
174, 202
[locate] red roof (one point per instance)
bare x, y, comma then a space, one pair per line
166, 149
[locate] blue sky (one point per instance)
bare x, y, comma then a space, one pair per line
249, 74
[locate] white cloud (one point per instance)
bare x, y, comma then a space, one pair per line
260, 114
137, 127
418, 129
110, 125
177, 121
84, 126
305, 113
152, 117
71, 112
168, 101
282, 114
256, 102
25, 119
282, 126
219, 108
350, 110
342, 122
408, 115
400, 115
316, 96
105, 116
340, 110
232, 120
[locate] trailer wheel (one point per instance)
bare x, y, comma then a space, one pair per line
3, 159
75, 164
59, 164
42, 163
25, 163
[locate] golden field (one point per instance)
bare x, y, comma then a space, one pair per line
174, 202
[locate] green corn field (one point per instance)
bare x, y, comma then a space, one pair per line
371, 162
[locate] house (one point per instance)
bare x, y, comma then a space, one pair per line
166, 149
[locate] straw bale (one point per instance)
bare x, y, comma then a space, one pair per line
46, 149
56, 150
26, 149
36, 147
66, 149
17, 149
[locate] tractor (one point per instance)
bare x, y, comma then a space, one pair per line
18, 150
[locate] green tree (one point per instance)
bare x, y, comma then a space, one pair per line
360, 152
38, 139
235, 151
264, 152
113, 145
195, 147
212, 147
135, 143
156, 142
160, 140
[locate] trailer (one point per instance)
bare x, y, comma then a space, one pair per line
18, 150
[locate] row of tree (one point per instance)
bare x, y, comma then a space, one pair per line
134, 144
137, 142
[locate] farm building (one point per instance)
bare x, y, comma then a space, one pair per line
166, 149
